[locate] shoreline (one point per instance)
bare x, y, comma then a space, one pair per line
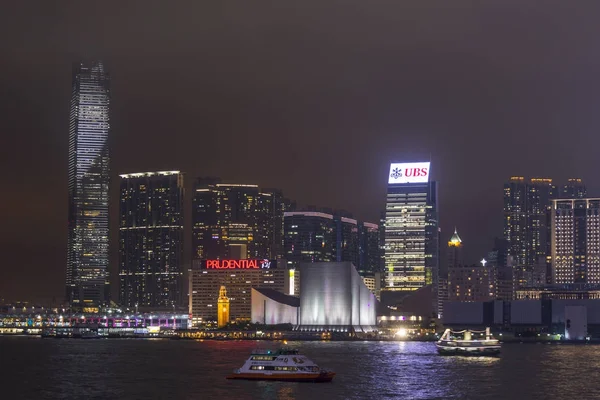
302, 339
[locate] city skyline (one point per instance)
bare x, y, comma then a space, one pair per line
406, 192
217, 104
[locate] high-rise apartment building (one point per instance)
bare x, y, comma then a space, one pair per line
573, 189
318, 236
236, 221
151, 240
525, 218
527, 221
575, 241
505, 273
87, 281
411, 241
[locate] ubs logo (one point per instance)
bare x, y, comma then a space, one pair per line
265, 264
396, 173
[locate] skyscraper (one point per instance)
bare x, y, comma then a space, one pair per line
369, 252
87, 282
151, 240
525, 218
318, 236
455, 256
455, 260
309, 236
576, 241
411, 240
527, 223
232, 221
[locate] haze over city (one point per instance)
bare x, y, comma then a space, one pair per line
314, 98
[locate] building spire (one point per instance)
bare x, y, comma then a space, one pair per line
455, 239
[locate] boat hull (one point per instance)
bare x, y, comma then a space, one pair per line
317, 378
492, 351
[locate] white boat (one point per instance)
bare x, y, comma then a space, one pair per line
466, 345
281, 365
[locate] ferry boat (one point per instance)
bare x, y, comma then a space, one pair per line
467, 346
281, 365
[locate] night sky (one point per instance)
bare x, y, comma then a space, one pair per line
313, 97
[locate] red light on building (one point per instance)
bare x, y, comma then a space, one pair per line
239, 264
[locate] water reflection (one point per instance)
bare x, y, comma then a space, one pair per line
196, 370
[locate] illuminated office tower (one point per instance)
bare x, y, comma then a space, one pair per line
151, 240
411, 239
236, 221
319, 236
369, 262
310, 236
575, 241
87, 283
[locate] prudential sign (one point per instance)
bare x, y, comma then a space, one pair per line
409, 173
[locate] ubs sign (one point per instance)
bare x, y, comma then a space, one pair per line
409, 173
239, 264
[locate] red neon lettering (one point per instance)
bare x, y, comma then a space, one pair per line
232, 264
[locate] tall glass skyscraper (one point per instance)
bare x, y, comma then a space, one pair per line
317, 236
151, 240
87, 281
411, 239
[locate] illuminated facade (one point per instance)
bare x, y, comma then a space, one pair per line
314, 236
334, 297
472, 283
223, 308
151, 240
270, 307
207, 277
309, 237
87, 282
369, 257
236, 221
455, 257
455, 260
527, 220
411, 244
576, 241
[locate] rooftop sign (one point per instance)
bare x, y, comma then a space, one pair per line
239, 264
409, 173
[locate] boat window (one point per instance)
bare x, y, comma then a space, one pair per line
263, 358
286, 369
263, 367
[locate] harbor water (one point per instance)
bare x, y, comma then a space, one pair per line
38, 368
